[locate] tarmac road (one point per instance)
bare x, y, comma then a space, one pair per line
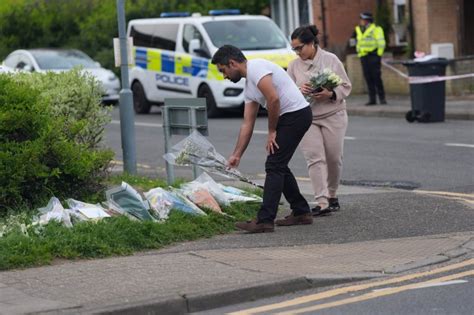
387, 151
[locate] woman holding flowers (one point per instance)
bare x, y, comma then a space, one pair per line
323, 143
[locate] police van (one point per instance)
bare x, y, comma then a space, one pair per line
172, 56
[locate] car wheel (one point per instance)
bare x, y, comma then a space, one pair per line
140, 104
212, 110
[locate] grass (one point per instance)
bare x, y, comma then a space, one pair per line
113, 236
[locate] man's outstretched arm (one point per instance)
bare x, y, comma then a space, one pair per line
245, 134
265, 85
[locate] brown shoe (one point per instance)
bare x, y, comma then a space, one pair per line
306, 218
254, 227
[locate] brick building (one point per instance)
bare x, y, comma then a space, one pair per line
433, 21
431, 26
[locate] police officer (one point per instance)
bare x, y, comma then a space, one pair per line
370, 47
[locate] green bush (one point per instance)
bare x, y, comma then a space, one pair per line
50, 131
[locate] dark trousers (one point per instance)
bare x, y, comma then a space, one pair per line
279, 179
371, 65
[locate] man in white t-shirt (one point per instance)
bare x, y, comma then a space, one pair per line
289, 117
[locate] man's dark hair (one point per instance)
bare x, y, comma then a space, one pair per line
227, 52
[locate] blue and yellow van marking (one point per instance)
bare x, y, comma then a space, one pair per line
176, 63
182, 64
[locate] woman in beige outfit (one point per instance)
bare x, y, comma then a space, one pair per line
323, 143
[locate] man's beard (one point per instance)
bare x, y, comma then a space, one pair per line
235, 79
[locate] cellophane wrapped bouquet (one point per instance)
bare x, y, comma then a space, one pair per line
325, 79
196, 150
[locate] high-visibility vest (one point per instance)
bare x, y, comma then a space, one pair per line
370, 40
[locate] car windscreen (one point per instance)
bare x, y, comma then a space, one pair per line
63, 60
246, 34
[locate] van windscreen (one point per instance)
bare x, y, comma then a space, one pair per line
246, 34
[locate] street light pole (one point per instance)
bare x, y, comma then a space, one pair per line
127, 122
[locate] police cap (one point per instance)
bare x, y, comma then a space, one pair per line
366, 16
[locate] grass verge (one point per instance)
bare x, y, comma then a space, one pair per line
113, 236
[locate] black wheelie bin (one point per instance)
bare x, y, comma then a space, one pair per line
427, 99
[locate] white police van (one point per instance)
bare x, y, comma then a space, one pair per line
172, 56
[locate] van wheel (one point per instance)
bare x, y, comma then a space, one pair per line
212, 110
140, 103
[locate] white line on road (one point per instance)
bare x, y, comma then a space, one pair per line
141, 124
459, 145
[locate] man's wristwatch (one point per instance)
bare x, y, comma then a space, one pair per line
333, 97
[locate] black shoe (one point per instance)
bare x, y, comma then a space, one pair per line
318, 212
370, 103
383, 102
334, 204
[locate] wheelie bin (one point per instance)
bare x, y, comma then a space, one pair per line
427, 99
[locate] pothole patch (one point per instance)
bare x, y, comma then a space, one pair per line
382, 183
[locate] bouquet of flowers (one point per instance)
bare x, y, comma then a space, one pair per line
196, 150
326, 79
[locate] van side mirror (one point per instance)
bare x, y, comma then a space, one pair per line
195, 48
194, 44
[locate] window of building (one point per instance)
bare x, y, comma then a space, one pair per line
303, 7
399, 19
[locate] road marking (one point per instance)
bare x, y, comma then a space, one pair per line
138, 164
263, 132
445, 193
429, 285
141, 124
459, 145
467, 198
359, 287
373, 295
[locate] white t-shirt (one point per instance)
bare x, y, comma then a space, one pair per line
290, 97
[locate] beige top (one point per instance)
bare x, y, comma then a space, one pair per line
302, 70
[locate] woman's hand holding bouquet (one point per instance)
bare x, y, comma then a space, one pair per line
320, 87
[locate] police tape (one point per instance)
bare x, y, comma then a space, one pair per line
426, 79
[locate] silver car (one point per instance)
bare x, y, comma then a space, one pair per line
42, 60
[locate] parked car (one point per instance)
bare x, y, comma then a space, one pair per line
4, 69
57, 60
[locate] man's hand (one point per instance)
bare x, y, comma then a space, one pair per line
323, 96
271, 142
233, 161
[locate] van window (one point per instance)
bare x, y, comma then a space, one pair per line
161, 36
190, 32
243, 34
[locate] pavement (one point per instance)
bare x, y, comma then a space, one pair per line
456, 107
238, 267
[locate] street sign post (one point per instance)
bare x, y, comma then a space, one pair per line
127, 122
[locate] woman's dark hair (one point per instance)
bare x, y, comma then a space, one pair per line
306, 34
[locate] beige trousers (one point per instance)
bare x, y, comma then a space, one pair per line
322, 147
